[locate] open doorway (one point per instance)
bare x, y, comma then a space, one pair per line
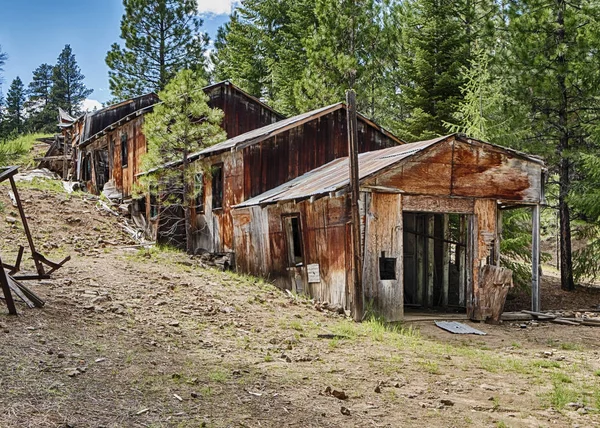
436, 260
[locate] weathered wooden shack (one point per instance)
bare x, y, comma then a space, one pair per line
109, 143
257, 161
430, 226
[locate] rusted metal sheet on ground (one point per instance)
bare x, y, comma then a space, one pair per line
458, 328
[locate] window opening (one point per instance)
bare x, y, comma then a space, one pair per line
217, 186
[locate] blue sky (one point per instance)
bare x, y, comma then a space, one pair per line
33, 32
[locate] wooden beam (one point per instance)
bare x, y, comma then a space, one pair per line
535, 259
352, 128
446, 266
462, 261
430, 259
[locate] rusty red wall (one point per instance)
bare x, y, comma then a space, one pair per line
292, 153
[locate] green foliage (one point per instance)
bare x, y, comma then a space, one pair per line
15, 105
42, 112
515, 246
16, 151
161, 37
68, 89
179, 126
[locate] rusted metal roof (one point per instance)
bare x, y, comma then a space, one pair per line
334, 175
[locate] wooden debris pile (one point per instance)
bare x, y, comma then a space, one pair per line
587, 317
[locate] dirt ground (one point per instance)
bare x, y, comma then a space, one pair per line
148, 338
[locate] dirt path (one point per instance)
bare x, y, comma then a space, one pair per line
134, 338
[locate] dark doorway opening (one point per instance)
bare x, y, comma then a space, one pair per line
436, 260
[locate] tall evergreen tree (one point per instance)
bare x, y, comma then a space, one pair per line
434, 48
42, 112
68, 90
180, 125
352, 46
161, 38
553, 47
3, 58
15, 105
261, 49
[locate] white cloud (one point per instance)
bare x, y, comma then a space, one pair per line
216, 7
90, 105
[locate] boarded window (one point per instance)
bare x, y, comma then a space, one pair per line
199, 191
291, 225
217, 186
124, 152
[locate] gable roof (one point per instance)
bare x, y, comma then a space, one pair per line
99, 122
335, 175
268, 131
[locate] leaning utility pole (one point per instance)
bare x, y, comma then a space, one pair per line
352, 126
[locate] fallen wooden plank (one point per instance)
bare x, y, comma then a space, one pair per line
564, 321
15, 289
516, 316
540, 315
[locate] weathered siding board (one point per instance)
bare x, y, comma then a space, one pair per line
384, 236
437, 204
484, 235
262, 249
486, 172
474, 170
296, 151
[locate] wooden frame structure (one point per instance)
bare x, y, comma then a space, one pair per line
9, 280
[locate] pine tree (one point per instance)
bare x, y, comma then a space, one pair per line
161, 38
434, 48
3, 58
261, 49
180, 125
351, 47
553, 45
15, 105
42, 112
68, 90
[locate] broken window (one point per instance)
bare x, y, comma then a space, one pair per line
293, 233
124, 153
217, 186
387, 267
199, 191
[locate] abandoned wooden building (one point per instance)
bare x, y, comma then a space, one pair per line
430, 225
257, 161
108, 143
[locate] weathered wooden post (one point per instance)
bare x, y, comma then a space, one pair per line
535, 259
66, 141
352, 126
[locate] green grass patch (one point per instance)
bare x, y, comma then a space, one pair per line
18, 150
218, 376
566, 346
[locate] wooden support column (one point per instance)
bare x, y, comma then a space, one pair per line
352, 128
420, 226
462, 261
446, 260
10, 303
430, 258
38, 265
535, 259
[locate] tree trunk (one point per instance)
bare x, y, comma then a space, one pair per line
566, 260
